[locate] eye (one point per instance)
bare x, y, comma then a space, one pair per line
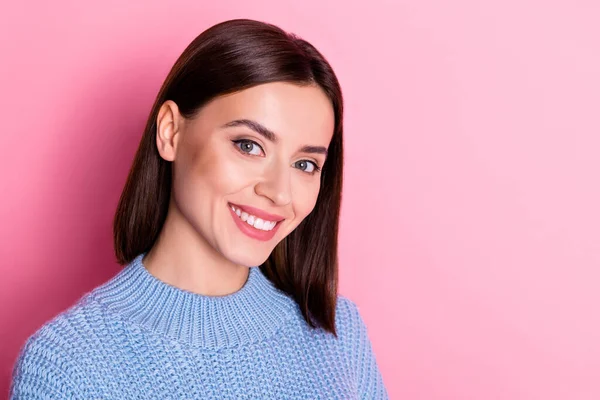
307, 166
248, 146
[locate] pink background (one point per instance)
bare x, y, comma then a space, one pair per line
471, 218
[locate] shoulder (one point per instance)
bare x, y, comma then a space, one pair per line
62, 333
350, 324
352, 331
48, 360
63, 330
347, 311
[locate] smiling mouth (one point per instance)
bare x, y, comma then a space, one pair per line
253, 221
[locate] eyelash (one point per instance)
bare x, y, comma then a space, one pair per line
236, 142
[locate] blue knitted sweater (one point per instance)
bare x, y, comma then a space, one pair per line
137, 337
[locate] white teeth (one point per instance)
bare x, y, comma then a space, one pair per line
257, 223
266, 225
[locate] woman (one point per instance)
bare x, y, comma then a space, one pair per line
227, 228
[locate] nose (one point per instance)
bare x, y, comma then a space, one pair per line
275, 184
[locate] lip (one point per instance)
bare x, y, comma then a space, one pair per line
259, 213
250, 230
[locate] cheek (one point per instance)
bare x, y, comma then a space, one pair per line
305, 197
219, 172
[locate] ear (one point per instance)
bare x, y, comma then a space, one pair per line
169, 124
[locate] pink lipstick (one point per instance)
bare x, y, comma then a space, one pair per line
251, 231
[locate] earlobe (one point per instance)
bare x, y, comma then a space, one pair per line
168, 125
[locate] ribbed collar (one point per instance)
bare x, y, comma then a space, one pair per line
254, 312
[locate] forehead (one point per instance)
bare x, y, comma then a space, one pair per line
302, 114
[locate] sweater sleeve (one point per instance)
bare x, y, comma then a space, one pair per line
370, 381
42, 372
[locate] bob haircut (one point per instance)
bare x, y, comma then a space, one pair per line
228, 57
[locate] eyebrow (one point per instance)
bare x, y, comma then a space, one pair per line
270, 135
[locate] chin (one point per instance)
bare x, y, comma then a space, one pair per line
249, 260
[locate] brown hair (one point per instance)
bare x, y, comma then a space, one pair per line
229, 57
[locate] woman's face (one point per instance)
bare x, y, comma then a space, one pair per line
246, 167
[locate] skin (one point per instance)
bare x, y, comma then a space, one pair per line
200, 248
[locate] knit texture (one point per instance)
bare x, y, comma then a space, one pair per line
137, 337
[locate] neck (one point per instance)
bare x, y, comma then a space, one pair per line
182, 258
253, 313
